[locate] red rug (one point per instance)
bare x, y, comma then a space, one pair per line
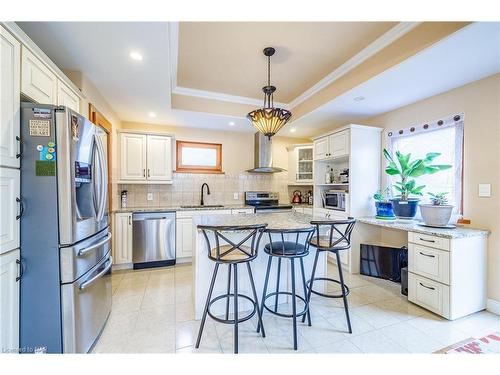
489, 344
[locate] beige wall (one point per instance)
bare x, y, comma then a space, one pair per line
480, 101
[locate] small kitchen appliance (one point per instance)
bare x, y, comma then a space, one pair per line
335, 200
297, 196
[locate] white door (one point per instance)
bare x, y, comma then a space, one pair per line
10, 79
9, 306
9, 209
321, 148
184, 237
132, 156
339, 144
122, 243
66, 97
37, 81
159, 158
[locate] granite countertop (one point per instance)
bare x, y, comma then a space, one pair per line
279, 220
180, 208
412, 226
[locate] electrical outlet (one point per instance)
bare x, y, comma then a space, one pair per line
235, 196
484, 190
150, 196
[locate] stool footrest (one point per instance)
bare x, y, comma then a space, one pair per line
275, 312
232, 321
346, 288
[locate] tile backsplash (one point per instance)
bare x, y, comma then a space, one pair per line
186, 188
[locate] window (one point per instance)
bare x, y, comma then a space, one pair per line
198, 157
445, 137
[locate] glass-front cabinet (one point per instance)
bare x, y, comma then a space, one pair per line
300, 164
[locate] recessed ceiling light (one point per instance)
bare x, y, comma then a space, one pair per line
292, 130
359, 98
152, 114
231, 123
134, 55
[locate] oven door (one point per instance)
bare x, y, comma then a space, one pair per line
86, 304
81, 178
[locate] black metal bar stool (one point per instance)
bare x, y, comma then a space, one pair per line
226, 251
338, 238
295, 246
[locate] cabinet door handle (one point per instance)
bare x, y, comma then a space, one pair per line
144, 172
427, 255
423, 239
130, 220
149, 174
21, 208
428, 287
21, 271
18, 155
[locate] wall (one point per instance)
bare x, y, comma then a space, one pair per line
237, 157
480, 101
92, 95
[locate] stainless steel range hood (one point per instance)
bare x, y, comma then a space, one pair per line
263, 155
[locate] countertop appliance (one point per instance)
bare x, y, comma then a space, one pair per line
65, 251
335, 200
297, 196
153, 236
265, 201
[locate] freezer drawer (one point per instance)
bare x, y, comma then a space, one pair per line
153, 237
86, 306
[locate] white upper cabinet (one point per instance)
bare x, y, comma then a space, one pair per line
145, 158
300, 164
133, 156
10, 78
339, 144
66, 97
38, 82
9, 209
159, 158
9, 306
332, 146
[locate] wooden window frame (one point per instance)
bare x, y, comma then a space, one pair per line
180, 168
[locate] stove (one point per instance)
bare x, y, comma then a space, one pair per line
265, 201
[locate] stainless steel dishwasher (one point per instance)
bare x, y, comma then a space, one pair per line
153, 243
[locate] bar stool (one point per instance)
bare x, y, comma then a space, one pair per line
297, 247
226, 251
338, 238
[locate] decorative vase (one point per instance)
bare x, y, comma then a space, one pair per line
405, 209
384, 210
438, 216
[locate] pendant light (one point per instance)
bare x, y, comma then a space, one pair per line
269, 120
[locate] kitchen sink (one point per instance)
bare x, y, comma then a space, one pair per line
205, 206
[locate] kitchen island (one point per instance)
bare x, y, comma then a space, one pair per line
203, 267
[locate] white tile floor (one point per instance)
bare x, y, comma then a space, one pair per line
153, 313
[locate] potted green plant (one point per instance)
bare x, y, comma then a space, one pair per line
404, 206
383, 205
438, 212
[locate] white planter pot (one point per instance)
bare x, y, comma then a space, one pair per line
436, 215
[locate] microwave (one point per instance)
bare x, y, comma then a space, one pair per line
335, 200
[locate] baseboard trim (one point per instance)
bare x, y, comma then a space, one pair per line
493, 306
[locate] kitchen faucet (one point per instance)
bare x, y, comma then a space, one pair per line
208, 192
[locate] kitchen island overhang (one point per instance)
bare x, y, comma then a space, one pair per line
203, 267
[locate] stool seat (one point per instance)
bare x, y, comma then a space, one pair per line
235, 254
324, 243
290, 248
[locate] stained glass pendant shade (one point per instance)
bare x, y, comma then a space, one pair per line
269, 120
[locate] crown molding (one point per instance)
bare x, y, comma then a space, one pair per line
173, 52
222, 97
376, 46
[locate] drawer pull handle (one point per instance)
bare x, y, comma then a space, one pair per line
427, 255
428, 287
423, 239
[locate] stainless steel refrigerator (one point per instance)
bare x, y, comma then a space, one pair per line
65, 239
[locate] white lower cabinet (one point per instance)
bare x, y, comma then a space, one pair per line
447, 276
9, 303
9, 209
122, 242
